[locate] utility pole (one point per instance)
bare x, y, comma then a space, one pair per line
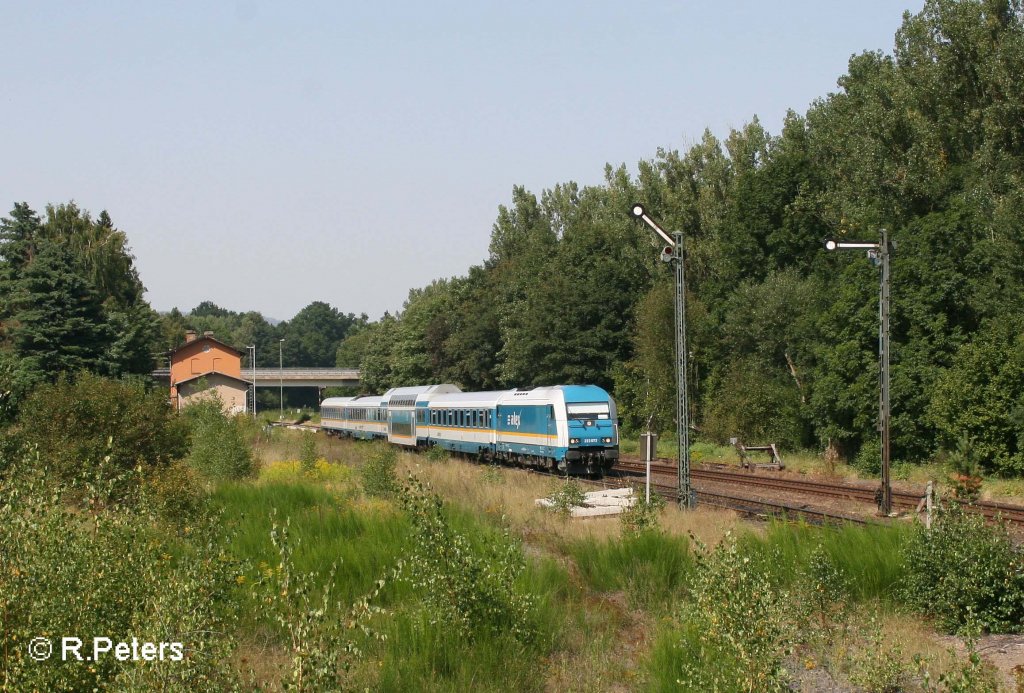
253, 347
673, 252
879, 253
280, 375
883, 356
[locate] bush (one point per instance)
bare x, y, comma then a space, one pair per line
642, 516
378, 472
321, 643
436, 453
77, 423
470, 590
869, 457
107, 574
735, 631
219, 450
567, 495
965, 571
175, 493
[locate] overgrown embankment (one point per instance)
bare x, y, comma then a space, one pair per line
349, 566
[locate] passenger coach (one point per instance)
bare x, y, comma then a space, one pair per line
569, 428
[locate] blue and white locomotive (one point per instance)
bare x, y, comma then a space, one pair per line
569, 428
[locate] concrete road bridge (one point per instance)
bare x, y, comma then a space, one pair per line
290, 377
303, 377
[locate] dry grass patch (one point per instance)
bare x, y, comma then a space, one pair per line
605, 655
507, 495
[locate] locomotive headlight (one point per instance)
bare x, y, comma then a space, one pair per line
606, 440
574, 441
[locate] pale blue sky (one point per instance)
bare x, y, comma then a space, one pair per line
265, 155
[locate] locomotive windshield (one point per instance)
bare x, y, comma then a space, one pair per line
596, 410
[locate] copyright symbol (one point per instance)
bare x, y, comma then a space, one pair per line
40, 649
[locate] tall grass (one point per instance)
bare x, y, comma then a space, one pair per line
869, 557
332, 524
327, 530
423, 655
651, 567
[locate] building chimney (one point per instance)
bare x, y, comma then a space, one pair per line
190, 336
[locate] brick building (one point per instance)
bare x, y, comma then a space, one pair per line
205, 365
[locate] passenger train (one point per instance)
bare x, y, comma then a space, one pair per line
569, 428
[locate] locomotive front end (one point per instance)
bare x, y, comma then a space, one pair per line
593, 430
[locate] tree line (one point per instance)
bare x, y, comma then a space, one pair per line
783, 336
71, 301
927, 142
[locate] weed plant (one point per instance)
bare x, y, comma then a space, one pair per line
642, 515
493, 475
291, 471
878, 666
965, 571
322, 646
378, 472
436, 453
468, 591
734, 631
364, 542
567, 495
308, 455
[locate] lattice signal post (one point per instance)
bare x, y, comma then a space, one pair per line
673, 253
879, 254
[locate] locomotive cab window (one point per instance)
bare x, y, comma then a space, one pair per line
596, 410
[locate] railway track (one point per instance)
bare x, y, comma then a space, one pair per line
758, 508
865, 493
